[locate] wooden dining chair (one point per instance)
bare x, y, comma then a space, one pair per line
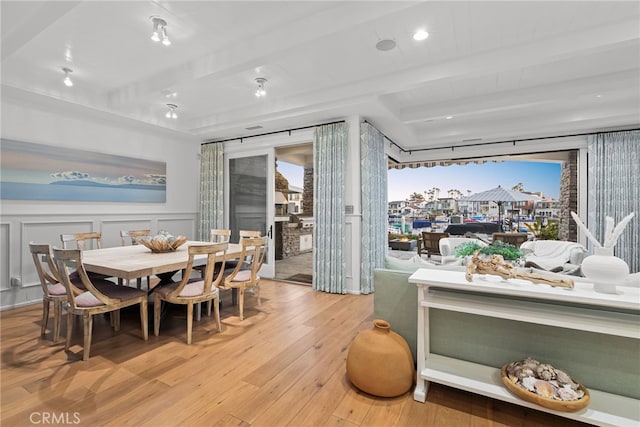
133, 237
219, 235
189, 292
94, 300
249, 233
252, 256
82, 240
52, 290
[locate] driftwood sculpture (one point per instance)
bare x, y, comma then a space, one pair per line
496, 265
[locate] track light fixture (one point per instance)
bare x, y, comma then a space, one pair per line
159, 29
261, 91
67, 76
171, 114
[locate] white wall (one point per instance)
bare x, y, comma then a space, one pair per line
42, 120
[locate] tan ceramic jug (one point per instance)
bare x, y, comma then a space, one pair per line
380, 361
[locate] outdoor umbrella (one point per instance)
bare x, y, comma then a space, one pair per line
499, 195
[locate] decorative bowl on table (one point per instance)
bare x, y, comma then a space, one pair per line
544, 385
163, 243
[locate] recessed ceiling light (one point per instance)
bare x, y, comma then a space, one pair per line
420, 35
449, 117
386, 44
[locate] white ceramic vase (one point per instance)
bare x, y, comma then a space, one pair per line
605, 270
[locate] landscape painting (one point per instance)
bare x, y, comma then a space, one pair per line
42, 172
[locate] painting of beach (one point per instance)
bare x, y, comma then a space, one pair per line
42, 172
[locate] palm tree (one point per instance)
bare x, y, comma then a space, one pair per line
518, 187
416, 196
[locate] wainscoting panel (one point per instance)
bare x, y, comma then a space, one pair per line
16, 231
185, 226
5, 277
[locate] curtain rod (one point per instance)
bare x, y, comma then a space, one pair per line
241, 138
385, 136
513, 141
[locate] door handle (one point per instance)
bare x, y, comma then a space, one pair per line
270, 232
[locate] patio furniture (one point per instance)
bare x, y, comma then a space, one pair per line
554, 255
93, 301
515, 239
473, 227
430, 243
448, 247
189, 292
402, 245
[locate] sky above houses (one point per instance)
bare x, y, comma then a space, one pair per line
535, 176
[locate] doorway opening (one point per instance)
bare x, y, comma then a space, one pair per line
294, 222
434, 196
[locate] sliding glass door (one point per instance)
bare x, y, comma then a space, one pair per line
250, 196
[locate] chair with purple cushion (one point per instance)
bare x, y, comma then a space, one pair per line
107, 298
52, 290
189, 292
245, 274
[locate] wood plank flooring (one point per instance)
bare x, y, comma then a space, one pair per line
284, 365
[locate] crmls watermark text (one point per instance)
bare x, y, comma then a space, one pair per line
54, 418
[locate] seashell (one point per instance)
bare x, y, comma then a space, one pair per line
563, 378
546, 372
529, 383
543, 388
526, 372
567, 393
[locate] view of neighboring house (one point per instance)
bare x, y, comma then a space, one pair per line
295, 199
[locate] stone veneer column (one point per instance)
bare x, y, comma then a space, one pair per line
307, 194
569, 197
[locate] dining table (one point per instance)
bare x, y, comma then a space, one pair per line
136, 261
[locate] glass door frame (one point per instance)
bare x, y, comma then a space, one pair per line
269, 266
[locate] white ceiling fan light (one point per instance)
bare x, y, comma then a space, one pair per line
159, 29
171, 114
67, 76
261, 91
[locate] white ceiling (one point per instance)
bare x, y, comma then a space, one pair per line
502, 70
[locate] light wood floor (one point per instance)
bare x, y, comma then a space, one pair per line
284, 365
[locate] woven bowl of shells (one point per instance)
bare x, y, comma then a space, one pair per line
161, 243
544, 385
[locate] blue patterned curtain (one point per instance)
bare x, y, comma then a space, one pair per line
211, 189
614, 189
329, 157
373, 178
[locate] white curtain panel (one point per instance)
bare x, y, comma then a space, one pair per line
614, 189
329, 157
373, 178
211, 189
